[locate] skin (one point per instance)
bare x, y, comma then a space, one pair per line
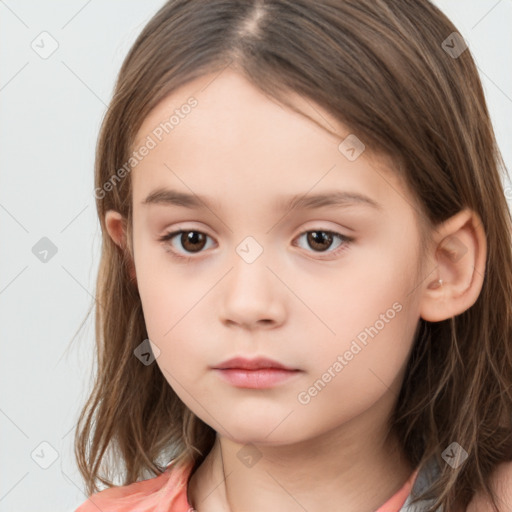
297, 304
501, 484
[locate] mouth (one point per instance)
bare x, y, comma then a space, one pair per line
259, 363
256, 379
259, 373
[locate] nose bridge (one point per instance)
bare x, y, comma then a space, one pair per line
252, 291
250, 272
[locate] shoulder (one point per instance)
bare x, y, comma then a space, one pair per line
168, 488
501, 483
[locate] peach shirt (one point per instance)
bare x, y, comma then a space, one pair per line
167, 493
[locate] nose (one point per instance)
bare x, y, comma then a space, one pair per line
252, 296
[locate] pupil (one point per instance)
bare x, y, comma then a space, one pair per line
323, 238
193, 238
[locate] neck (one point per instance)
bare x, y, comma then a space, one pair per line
348, 468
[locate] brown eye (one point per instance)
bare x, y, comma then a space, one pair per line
321, 240
191, 241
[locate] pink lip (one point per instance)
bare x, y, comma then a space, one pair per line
251, 364
255, 379
256, 373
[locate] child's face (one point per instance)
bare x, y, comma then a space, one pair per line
302, 301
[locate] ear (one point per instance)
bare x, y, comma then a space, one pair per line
458, 254
116, 228
114, 222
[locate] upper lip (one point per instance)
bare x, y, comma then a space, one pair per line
251, 364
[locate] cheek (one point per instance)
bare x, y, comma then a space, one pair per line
367, 300
374, 323
170, 304
348, 376
159, 284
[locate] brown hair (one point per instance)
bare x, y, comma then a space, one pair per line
380, 67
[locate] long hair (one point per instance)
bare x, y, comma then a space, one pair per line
387, 70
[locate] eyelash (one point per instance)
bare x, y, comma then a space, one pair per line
346, 241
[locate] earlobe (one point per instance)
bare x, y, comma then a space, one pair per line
459, 254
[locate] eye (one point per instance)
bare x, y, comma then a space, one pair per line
321, 239
191, 240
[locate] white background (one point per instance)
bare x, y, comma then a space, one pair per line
50, 115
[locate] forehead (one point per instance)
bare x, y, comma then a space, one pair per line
236, 139
226, 94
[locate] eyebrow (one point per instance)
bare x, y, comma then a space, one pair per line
168, 197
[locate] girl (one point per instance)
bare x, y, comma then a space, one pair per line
340, 339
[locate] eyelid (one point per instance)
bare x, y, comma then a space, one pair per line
317, 226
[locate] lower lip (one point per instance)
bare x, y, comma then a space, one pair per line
256, 379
